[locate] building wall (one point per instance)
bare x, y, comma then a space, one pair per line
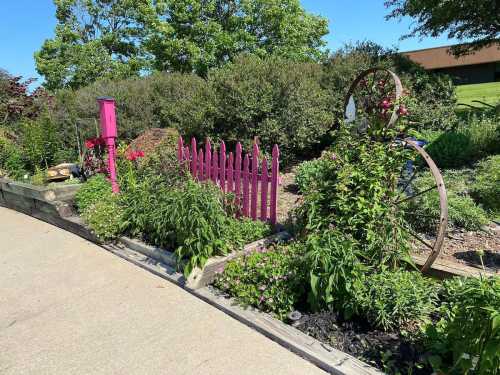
466, 74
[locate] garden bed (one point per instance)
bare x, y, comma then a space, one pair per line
462, 249
375, 347
199, 277
52, 204
322, 355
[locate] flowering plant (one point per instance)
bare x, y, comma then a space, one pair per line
377, 107
272, 279
93, 159
134, 155
128, 165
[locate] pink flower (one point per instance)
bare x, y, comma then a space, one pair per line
90, 143
386, 104
402, 111
133, 155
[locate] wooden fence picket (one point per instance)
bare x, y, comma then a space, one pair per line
254, 186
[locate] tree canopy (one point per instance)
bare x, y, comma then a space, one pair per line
96, 39
93, 39
476, 22
194, 35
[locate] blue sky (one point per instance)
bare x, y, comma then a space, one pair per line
25, 24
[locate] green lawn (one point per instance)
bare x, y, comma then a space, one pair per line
486, 92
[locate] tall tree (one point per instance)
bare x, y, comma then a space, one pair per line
475, 21
93, 39
196, 35
98, 39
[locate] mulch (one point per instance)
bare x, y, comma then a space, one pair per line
375, 347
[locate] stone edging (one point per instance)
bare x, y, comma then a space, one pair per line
200, 278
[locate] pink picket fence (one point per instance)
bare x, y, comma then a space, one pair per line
254, 186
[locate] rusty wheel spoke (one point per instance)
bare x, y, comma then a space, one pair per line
417, 237
416, 195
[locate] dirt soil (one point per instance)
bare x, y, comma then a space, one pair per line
288, 196
463, 247
375, 347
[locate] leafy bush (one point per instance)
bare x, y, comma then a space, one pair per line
12, 162
474, 138
467, 337
246, 230
104, 217
95, 189
272, 279
463, 212
307, 174
188, 217
486, 187
450, 149
335, 270
354, 193
279, 101
484, 134
394, 300
181, 101
40, 141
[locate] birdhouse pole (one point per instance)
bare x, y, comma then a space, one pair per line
109, 133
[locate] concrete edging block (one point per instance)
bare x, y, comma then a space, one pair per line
200, 278
153, 252
205, 276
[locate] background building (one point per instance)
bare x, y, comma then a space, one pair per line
481, 67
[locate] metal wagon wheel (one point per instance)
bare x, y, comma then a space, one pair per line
367, 85
362, 101
420, 166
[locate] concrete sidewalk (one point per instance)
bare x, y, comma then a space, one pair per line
69, 307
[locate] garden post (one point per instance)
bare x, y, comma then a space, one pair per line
109, 133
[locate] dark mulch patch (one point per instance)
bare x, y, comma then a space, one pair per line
385, 350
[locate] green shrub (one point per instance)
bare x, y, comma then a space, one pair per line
308, 173
12, 162
188, 218
273, 280
486, 187
335, 271
474, 138
40, 141
397, 300
467, 337
463, 212
246, 230
184, 102
279, 101
354, 193
181, 101
450, 149
104, 217
484, 134
95, 189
